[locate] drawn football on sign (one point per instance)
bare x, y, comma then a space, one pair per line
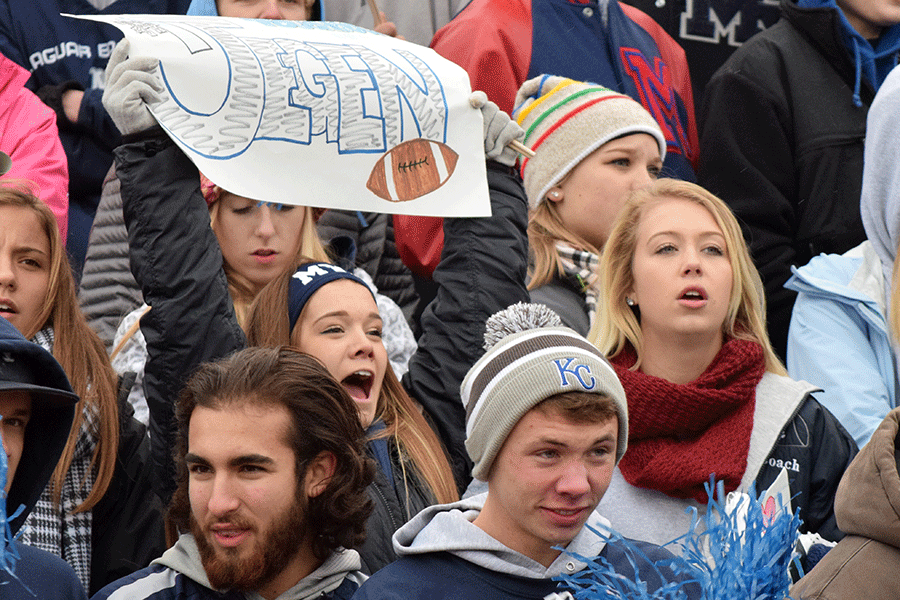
412, 169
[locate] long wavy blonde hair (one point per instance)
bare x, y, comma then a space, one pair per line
617, 325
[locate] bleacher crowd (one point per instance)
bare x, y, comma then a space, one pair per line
690, 278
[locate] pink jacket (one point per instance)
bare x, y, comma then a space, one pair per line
29, 136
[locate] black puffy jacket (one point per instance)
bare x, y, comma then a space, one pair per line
176, 260
482, 270
127, 527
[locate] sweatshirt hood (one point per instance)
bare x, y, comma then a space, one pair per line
184, 557
25, 366
867, 502
880, 199
203, 8
449, 528
870, 62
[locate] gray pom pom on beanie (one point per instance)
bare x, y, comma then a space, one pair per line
565, 120
532, 358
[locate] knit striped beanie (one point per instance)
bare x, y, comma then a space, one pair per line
565, 120
535, 358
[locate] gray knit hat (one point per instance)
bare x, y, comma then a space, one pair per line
535, 358
565, 120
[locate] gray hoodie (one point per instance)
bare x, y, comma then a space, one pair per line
449, 528
184, 558
880, 199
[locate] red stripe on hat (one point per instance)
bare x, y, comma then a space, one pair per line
566, 118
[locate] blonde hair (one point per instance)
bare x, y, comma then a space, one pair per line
310, 247
417, 445
545, 228
617, 325
894, 302
80, 353
242, 295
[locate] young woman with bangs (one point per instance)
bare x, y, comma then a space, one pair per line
592, 148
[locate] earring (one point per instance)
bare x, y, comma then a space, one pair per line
629, 301
555, 195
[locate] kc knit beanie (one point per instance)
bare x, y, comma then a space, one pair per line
535, 358
565, 120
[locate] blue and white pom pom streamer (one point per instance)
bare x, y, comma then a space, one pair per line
8, 553
743, 552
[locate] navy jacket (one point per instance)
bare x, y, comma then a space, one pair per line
39, 574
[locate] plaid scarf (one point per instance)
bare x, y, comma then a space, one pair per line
57, 529
581, 266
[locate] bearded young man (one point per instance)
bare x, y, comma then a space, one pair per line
271, 486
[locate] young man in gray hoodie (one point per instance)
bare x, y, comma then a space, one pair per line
271, 486
546, 422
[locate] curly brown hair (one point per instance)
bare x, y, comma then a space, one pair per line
323, 419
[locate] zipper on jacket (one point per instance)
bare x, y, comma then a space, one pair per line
387, 507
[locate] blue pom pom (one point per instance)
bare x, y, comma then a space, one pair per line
659, 579
741, 553
9, 555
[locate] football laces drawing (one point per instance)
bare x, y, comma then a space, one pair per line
412, 169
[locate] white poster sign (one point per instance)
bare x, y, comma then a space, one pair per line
318, 114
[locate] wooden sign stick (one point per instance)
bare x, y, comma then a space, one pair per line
521, 148
376, 14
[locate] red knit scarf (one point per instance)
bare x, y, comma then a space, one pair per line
680, 434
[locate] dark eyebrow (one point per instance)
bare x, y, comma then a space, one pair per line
246, 459
552, 442
193, 459
250, 459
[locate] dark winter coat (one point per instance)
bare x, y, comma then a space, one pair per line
394, 502
127, 527
565, 298
782, 144
481, 272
